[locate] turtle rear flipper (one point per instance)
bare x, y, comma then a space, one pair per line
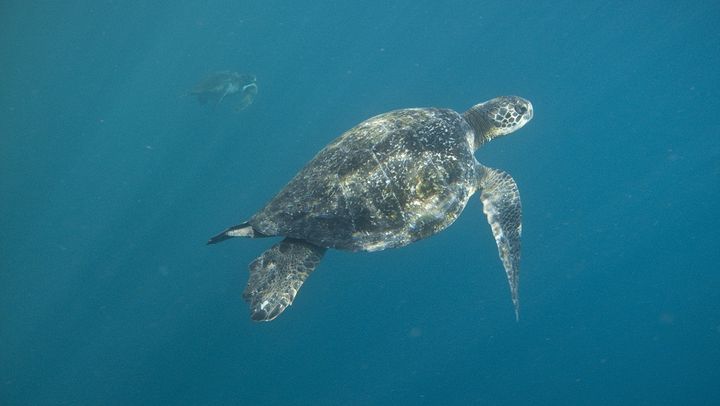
228, 90
501, 205
276, 277
202, 98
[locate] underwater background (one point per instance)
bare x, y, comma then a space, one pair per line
112, 179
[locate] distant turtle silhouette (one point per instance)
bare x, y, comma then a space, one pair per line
391, 180
217, 86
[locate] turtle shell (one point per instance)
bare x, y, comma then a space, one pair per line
391, 180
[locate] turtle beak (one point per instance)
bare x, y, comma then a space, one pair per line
524, 107
529, 113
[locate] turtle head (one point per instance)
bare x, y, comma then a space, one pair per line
247, 79
497, 117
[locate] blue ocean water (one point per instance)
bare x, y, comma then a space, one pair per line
112, 180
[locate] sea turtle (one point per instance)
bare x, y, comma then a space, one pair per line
391, 180
217, 86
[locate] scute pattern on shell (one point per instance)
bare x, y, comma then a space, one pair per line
391, 180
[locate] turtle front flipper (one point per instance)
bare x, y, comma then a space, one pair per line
276, 277
248, 95
501, 204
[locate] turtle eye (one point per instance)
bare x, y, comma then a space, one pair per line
521, 109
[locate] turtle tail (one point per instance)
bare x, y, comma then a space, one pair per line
240, 230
